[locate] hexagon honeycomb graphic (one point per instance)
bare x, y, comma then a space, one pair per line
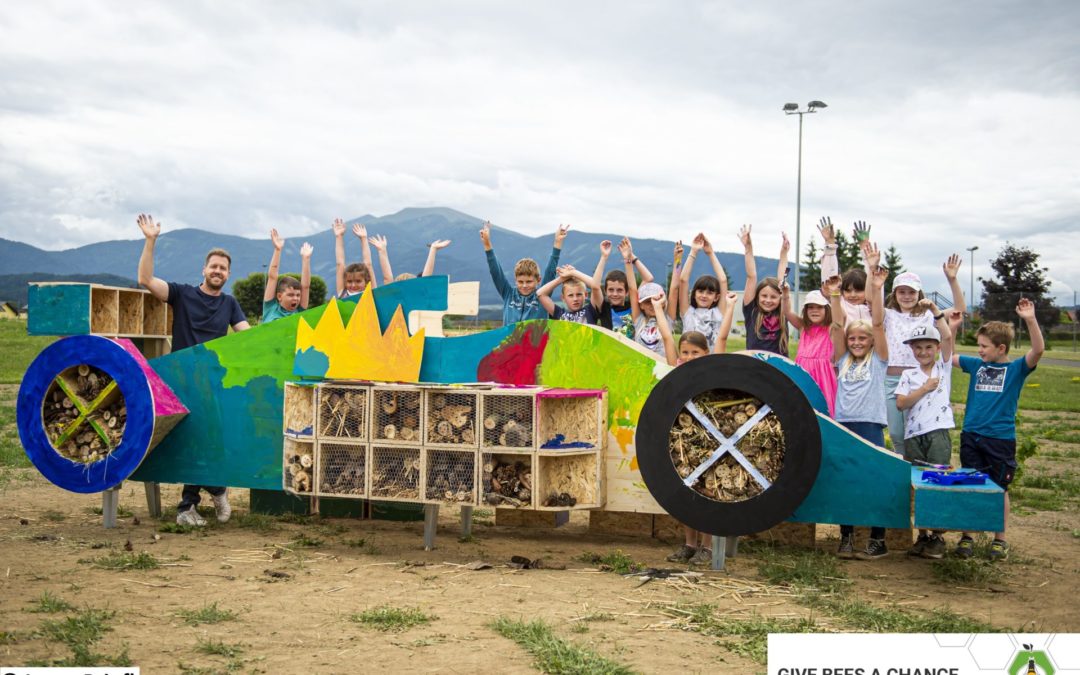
993, 651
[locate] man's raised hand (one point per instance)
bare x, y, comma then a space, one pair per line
150, 229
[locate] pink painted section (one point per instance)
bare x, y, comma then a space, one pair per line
165, 401
517, 360
569, 393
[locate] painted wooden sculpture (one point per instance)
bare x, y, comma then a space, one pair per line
235, 387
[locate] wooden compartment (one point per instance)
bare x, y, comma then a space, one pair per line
155, 315
298, 466
569, 480
572, 419
508, 419
507, 480
395, 473
341, 469
450, 476
451, 418
299, 410
104, 310
343, 411
396, 414
131, 312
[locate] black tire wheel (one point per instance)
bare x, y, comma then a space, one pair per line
741, 373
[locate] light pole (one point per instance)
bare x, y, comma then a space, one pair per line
793, 109
971, 274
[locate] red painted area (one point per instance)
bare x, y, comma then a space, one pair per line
517, 360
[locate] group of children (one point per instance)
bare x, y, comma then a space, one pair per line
881, 362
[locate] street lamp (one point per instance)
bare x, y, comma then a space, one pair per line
793, 109
971, 272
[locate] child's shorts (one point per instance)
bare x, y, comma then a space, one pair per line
995, 457
933, 447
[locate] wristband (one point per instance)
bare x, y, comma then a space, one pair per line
634, 261
834, 295
939, 317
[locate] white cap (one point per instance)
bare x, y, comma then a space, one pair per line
923, 333
649, 290
909, 279
815, 298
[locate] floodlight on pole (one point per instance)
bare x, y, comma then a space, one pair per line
793, 109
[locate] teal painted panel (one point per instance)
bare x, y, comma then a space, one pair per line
59, 310
455, 359
972, 508
858, 483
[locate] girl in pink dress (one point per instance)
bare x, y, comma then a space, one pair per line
815, 353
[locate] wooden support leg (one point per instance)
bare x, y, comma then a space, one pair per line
466, 521
719, 547
110, 502
431, 519
153, 498
732, 548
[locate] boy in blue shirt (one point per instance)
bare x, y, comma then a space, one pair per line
988, 440
519, 301
285, 295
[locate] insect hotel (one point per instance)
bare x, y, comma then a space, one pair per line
367, 401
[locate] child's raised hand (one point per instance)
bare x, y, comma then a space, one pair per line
927, 304
706, 245
278, 242
744, 236
626, 249
565, 271
339, 227
149, 228
657, 303
360, 231
698, 243
732, 298
439, 244
485, 234
872, 254
785, 244
830, 286
826, 230
1025, 309
605, 248
378, 241
956, 319
306, 250
952, 266
676, 254
879, 277
560, 234
861, 231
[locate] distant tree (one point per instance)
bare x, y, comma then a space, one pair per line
848, 254
893, 263
810, 274
1018, 275
249, 293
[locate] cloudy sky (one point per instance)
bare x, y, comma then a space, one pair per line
949, 124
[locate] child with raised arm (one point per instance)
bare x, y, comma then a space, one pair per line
703, 306
923, 395
380, 244
354, 279
573, 284
988, 439
853, 281
519, 300
815, 352
614, 309
861, 353
766, 328
285, 295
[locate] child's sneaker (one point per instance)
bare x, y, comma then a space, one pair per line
846, 550
703, 558
875, 548
999, 550
965, 548
190, 518
221, 506
683, 555
934, 548
919, 546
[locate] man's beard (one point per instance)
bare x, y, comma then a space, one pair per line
214, 283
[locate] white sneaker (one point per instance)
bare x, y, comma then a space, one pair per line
191, 518
221, 505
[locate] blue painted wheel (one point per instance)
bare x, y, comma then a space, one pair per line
108, 356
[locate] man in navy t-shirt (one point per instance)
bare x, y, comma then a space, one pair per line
200, 313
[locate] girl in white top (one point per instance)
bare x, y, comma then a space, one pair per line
703, 307
903, 313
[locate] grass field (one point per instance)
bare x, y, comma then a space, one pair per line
19, 349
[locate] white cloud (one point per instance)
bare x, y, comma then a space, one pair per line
947, 125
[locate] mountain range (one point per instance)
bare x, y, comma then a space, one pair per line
179, 253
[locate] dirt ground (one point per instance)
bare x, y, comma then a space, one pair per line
302, 621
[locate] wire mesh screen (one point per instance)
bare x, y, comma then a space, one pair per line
343, 412
507, 421
395, 473
450, 477
506, 481
342, 470
451, 418
298, 465
396, 415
